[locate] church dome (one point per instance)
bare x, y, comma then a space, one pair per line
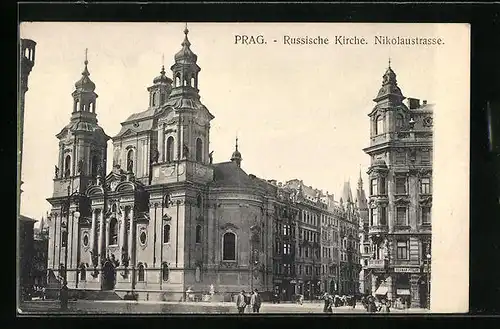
236, 155
162, 78
85, 84
186, 55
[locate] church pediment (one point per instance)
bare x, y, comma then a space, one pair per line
94, 190
128, 133
126, 186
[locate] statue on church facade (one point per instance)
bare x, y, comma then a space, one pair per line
210, 156
185, 151
56, 171
155, 156
80, 166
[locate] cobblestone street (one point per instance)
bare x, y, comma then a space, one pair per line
144, 307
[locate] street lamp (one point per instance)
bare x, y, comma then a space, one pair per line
428, 256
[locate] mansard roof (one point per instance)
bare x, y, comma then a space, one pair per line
228, 174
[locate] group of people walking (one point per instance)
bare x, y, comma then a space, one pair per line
369, 302
336, 301
254, 301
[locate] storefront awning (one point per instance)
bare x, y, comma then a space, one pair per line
382, 289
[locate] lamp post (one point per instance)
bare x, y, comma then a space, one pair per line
428, 257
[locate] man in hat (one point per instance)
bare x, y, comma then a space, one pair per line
255, 301
240, 302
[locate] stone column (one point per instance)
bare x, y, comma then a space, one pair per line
131, 236
414, 290
123, 230
161, 143
92, 231
101, 234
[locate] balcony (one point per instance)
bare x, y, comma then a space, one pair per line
378, 229
377, 264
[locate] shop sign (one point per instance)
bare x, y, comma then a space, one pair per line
277, 281
406, 270
403, 291
293, 281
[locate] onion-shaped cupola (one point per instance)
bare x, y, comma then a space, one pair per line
185, 70
160, 90
236, 157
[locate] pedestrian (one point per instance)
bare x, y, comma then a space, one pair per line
330, 304
43, 293
354, 299
255, 301
240, 302
384, 307
301, 299
63, 296
327, 302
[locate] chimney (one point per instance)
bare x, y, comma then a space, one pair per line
413, 103
424, 102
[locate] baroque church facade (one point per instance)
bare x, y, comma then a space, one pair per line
166, 218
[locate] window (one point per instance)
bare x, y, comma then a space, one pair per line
64, 241
399, 122
402, 249
382, 185
166, 233
229, 246
83, 272
286, 229
95, 164
166, 200
426, 156
130, 161
425, 185
318, 270
85, 239
198, 233
67, 166
400, 156
308, 270
199, 150
143, 237
373, 187
400, 185
287, 249
426, 215
379, 128
401, 216
140, 273
199, 201
300, 269
164, 271
287, 269
383, 216
374, 215
113, 232
306, 251
300, 251
170, 149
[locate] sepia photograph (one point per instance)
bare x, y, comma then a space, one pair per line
220, 168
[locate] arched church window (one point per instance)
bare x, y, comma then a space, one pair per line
67, 166
83, 272
170, 149
229, 246
178, 80
399, 121
166, 200
192, 82
95, 165
166, 233
140, 272
198, 233
199, 149
130, 161
154, 99
113, 232
77, 105
164, 271
379, 128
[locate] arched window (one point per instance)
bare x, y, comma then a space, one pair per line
399, 121
77, 105
178, 80
113, 232
379, 128
83, 272
113, 207
164, 271
192, 82
170, 149
199, 150
95, 164
154, 99
166, 233
198, 233
130, 161
140, 273
67, 166
229, 246
166, 200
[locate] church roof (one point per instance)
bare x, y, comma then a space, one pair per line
23, 218
228, 174
137, 123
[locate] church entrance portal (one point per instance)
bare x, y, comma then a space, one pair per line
108, 276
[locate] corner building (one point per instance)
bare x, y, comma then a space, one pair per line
165, 218
400, 196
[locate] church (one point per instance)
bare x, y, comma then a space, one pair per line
166, 218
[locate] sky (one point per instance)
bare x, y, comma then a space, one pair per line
299, 111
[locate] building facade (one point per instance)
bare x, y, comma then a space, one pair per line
365, 283
25, 224
400, 196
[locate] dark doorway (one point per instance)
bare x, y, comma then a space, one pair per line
423, 292
332, 287
108, 276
